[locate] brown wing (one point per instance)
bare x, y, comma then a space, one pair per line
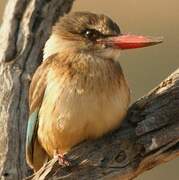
35, 154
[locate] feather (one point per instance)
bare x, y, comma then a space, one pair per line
36, 93
31, 135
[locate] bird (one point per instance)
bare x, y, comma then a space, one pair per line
79, 91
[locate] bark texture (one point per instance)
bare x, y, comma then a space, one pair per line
26, 27
148, 137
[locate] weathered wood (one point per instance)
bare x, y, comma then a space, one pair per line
149, 136
26, 27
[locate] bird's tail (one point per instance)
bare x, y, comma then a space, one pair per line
40, 157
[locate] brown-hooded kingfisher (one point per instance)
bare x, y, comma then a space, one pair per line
79, 92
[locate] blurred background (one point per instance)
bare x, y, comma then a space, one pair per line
144, 68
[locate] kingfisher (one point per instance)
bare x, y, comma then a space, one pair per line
79, 91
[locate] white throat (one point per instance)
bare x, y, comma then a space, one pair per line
54, 45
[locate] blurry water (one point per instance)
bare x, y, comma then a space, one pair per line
144, 68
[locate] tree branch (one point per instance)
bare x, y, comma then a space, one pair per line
148, 137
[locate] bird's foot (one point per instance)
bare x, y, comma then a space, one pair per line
63, 160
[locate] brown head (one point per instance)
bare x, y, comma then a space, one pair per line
92, 33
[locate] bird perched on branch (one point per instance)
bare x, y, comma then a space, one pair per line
79, 92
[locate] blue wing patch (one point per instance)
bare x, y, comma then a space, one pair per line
31, 135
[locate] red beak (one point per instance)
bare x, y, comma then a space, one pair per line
130, 41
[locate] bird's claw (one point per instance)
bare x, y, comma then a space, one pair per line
63, 160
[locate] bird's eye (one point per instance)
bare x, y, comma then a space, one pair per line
91, 34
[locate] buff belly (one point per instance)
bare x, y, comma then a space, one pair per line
78, 116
